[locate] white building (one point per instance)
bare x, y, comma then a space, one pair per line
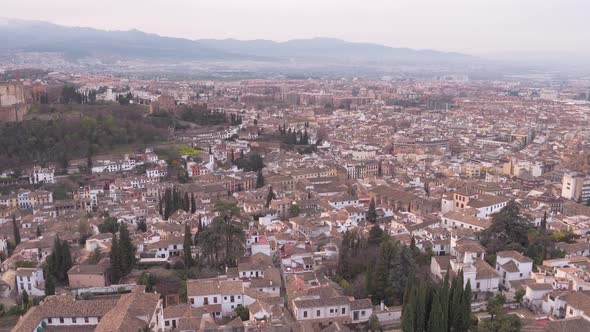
41, 175
30, 280
227, 294
512, 266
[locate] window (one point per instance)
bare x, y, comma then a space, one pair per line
215, 299
305, 314
343, 311
206, 300
192, 300
74, 320
167, 323
231, 299
225, 298
317, 313
477, 285
61, 320
49, 321
86, 320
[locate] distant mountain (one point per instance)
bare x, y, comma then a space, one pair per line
76, 43
37, 36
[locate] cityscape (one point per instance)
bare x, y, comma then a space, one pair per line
174, 182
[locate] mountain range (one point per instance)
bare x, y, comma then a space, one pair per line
79, 43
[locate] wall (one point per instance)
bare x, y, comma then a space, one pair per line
13, 106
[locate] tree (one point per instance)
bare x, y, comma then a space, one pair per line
509, 229
372, 212
519, 295
271, 195
409, 313
16, 230
25, 297
294, 210
375, 235
259, 179
436, 317
421, 314
126, 250
499, 320
444, 302
142, 226
39, 231
495, 305
186, 202
242, 312
193, 204
408, 292
109, 225
223, 241
95, 256
115, 260
148, 280
374, 324
465, 315
60, 260
188, 258
455, 314
344, 268
49, 285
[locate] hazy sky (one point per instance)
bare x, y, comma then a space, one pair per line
471, 26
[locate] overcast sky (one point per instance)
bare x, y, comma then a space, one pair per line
470, 26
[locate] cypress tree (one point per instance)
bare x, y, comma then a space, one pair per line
450, 309
383, 276
186, 203
193, 204
369, 283
455, 305
466, 308
421, 314
16, 230
409, 314
49, 285
259, 179
344, 256
408, 291
403, 266
436, 317
270, 196
186, 246
375, 235
444, 302
127, 250
52, 261
115, 260
372, 212
66, 260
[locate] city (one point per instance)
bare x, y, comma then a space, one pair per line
273, 196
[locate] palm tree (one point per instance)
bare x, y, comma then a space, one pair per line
94, 257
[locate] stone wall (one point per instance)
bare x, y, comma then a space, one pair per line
13, 105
